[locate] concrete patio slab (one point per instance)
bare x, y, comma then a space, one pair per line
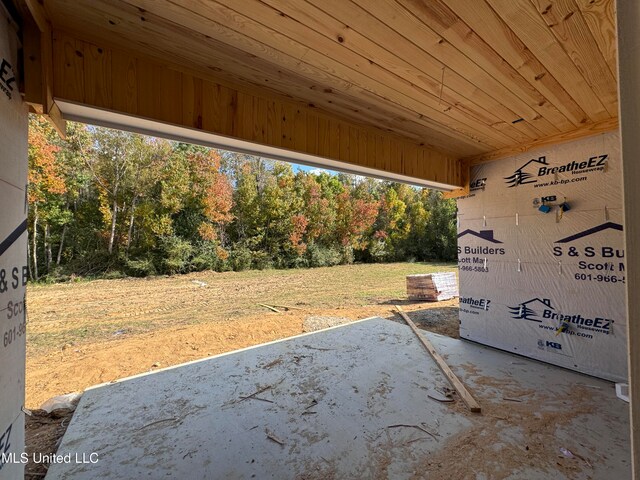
349, 402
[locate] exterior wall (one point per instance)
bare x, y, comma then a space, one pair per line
13, 252
550, 286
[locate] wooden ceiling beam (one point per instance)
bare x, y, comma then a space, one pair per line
527, 23
571, 31
129, 28
363, 79
414, 20
98, 75
600, 16
37, 63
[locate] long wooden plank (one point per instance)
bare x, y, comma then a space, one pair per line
410, 24
466, 396
572, 32
600, 16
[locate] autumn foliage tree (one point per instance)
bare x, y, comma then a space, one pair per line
213, 189
114, 203
46, 187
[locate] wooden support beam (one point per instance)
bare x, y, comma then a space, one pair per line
54, 115
629, 83
33, 89
38, 13
465, 167
38, 65
98, 75
468, 399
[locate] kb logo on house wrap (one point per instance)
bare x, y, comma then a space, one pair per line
553, 346
487, 246
599, 262
540, 172
542, 311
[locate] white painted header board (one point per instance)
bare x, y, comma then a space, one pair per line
13, 254
540, 249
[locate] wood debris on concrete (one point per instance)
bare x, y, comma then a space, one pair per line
468, 399
273, 438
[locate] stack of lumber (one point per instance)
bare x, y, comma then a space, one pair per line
432, 287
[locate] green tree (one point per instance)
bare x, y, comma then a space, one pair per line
112, 162
441, 230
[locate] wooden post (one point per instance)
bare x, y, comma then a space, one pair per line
629, 86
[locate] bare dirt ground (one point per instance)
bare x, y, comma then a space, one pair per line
86, 333
43, 433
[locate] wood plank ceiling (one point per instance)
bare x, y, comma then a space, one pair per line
463, 76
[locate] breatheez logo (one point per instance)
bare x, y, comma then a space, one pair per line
523, 175
526, 312
538, 168
486, 236
475, 303
541, 310
478, 184
7, 78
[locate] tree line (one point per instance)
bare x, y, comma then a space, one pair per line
109, 203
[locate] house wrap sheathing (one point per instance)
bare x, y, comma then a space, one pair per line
13, 251
541, 255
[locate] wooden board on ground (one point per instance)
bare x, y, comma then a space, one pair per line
468, 399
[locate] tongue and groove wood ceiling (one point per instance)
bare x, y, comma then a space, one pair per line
464, 76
